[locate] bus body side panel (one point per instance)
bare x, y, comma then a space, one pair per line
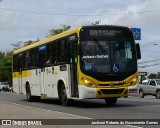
44, 82
52, 76
16, 82
33, 79
64, 73
24, 78
50, 81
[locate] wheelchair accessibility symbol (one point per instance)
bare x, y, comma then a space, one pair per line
115, 67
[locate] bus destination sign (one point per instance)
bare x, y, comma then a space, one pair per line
105, 32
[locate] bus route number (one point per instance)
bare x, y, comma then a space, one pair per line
93, 33
88, 66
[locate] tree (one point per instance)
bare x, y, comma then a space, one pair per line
1, 55
152, 76
6, 66
17, 45
96, 22
158, 75
53, 32
21, 44
29, 42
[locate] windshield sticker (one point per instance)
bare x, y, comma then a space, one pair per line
89, 66
96, 57
115, 67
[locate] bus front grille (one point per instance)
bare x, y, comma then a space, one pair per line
112, 91
110, 85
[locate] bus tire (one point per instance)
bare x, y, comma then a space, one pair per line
110, 101
30, 98
141, 93
63, 97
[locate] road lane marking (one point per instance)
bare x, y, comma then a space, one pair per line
45, 109
59, 112
134, 126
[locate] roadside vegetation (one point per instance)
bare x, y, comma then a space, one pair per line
154, 76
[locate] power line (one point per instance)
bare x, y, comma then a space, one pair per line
149, 61
45, 13
144, 64
157, 42
150, 65
150, 51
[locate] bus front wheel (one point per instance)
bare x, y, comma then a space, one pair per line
63, 97
110, 101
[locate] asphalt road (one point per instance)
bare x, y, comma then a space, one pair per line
125, 108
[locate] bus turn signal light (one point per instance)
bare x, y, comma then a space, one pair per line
88, 82
133, 81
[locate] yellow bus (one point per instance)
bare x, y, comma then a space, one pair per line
87, 62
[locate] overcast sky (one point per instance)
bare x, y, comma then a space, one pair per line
22, 20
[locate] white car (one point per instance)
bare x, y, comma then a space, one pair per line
133, 90
150, 87
4, 86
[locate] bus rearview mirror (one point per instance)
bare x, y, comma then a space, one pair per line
138, 51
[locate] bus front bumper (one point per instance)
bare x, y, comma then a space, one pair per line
89, 93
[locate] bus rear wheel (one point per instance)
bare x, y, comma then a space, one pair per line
28, 94
110, 101
63, 97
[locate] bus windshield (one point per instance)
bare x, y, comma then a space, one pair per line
108, 56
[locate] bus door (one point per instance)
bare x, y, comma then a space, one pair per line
73, 59
20, 63
42, 61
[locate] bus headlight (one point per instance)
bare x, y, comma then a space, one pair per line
88, 82
133, 81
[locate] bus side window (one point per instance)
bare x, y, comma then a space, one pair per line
34, 57
22, 60
28, 59
49, 57
62, 51
51, 53
54, 52
15, 63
